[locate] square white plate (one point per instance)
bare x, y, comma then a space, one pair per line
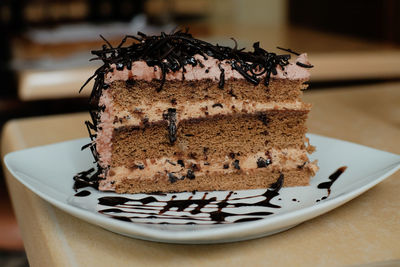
246, 214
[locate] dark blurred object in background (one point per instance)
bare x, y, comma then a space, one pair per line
369, 19
23, 14
6, 75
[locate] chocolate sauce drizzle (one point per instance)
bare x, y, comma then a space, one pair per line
89, 178
332, 178
196, 211
83, 193
149, 207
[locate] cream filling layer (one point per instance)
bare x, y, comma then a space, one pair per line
210, 69
152, 112
174, 169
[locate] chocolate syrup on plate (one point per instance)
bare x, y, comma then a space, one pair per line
332, 178
83, 193
87, 178
204, 210
195, 209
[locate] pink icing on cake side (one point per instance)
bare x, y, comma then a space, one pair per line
105, 130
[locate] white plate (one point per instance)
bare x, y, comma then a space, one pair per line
48, 172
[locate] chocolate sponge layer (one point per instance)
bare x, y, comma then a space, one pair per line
259, 178
211, 137
128, 94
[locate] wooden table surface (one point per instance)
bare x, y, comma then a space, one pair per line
365, 230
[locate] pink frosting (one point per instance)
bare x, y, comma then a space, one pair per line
105, 130
141, 71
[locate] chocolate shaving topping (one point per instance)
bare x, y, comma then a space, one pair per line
262, 163
190, 174
217, 105
236, 164
87, 178
304, 65
170, 162
170, 116
195, 167
221, 77
138, 166
289, 50
180, 162
302, 165
232, 93
172, 178
172, 52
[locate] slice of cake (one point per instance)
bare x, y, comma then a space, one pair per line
174, 113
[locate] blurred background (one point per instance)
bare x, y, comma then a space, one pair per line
45, 47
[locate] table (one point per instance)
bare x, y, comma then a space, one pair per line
365, 230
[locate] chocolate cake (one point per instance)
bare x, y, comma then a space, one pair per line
173, 113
